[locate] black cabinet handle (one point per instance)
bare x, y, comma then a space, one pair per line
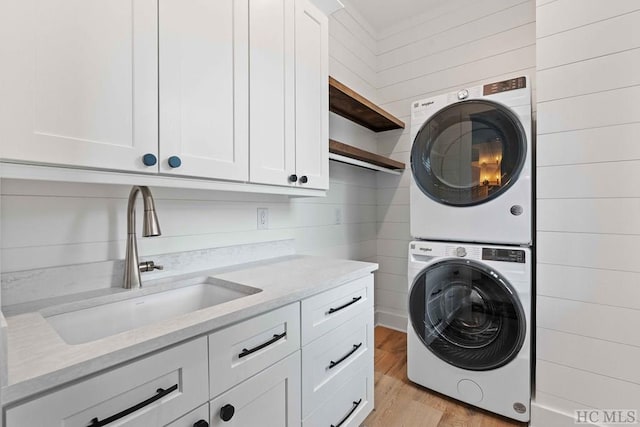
275, 338
201, 423
293, 178
353, 301
226, 412
160, 393
355, 406
304, 179
345, 357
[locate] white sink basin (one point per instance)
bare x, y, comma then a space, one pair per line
99, 321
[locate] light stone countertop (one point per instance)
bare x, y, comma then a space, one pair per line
39, 360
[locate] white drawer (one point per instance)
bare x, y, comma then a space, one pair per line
112, 393
195, 418
268, 399
244, 349
331, 360
325, 311
349, 405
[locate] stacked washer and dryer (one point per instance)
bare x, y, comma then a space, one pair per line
470, 266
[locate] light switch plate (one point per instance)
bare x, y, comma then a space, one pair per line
263, 218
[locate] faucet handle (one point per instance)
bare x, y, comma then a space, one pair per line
149, 266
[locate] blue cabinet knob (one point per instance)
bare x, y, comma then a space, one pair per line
149, 159
175, 162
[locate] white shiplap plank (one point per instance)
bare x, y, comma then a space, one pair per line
351, 61
596, 145
611, 216
393, 213
393, 248
391, 300
392, 282
603, 251
491, 35
598, 286
588, 41
600, 180
394, 231
586, 354
393, 265
564, 15
399, 44
615, 324
585, 388
599, 74
614, 107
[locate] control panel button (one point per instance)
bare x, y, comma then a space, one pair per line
461, 252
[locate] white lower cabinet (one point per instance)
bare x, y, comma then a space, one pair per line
337, 355
153, 391
268, 399
252, 373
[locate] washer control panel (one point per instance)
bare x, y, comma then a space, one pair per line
504, 255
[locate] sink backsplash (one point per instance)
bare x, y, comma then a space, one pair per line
26, 286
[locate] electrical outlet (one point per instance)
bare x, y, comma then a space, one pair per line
263, 218
338, 216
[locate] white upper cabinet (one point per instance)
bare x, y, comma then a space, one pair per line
79, 82
288, 80
204, 94
312, 96
233, 90
272, 86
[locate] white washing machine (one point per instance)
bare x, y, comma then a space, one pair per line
469, 326
471, 165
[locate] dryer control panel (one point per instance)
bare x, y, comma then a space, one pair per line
505, 85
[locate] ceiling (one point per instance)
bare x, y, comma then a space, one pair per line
381, 14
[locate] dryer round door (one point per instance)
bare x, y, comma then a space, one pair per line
468, 153
467, 315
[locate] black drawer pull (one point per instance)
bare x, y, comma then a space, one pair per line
353, 301
160, 393
275, 338
355, 406
345, 357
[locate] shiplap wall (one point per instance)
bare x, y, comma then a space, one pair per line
588, 284
52, 224
461, 43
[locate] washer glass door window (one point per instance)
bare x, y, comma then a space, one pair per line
467, 315
468, 153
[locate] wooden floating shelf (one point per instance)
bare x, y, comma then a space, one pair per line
358, 157
347, 103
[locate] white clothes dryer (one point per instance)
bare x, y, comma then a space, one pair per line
471, 165
469, 328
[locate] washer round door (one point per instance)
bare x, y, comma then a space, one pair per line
467, 315
468, 153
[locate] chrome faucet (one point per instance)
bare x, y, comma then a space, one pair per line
150, 227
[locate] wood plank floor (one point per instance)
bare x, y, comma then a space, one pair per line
400, 403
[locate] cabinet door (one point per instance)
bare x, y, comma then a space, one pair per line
203, 88
271, 82
312, 96
79, 82
268, 399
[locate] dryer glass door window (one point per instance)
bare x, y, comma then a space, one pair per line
467, 315
468, 153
